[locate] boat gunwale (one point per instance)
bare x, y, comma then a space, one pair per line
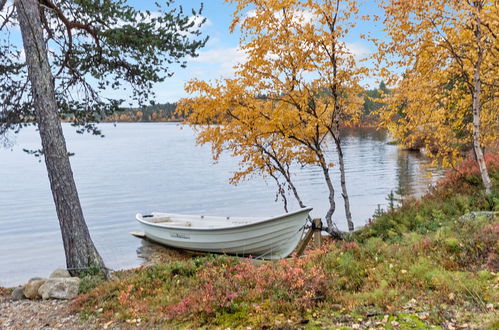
139, 218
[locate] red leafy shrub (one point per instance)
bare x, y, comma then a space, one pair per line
290, 283
352, 247
468, 172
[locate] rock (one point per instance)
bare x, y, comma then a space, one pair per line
36, 278
18, 294
479, 214
60, 273
60, 288
30, 289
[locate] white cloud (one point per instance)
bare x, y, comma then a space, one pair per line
299, 16
358, 50
224, 58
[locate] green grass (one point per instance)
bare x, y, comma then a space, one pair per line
418, 266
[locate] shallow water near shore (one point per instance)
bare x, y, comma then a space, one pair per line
145, 167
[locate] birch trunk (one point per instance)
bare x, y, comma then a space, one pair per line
78, 246
331, 228
477, 106
344, 192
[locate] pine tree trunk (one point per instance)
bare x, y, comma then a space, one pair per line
344, 192
79, 248
477, 89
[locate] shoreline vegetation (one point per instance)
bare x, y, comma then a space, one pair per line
431, 262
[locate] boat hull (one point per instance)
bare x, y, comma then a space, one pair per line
272, 238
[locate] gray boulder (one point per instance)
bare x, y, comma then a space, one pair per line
60, 288
479, 214
18, 294
30, 289
59, 273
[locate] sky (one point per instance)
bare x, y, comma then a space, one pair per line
221, 53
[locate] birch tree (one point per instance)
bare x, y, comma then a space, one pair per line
298, 85
446, 100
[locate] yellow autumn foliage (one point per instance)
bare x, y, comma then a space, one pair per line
451, 54
298, 84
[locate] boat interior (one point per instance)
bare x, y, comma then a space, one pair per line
168, 220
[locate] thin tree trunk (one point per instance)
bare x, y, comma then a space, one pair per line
344, 192
477, 90
331, 228
78, 246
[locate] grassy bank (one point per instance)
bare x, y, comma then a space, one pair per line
421, 265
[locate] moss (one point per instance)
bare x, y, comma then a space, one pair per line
411, 321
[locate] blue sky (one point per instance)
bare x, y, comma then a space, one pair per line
220, 54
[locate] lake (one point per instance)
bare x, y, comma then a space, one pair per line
145, 167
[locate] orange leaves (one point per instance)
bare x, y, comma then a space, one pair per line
431, 106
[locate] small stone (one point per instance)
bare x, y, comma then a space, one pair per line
490, 306
355, 326
105, 326
18, 294
395, 323
60, 273
60, 288
30, 289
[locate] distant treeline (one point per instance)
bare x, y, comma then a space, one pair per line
156, 112
163, 112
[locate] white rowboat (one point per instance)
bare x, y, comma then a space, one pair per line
268, 238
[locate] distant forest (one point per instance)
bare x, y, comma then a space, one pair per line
164, 112
153, 113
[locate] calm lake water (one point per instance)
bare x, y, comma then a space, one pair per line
145, 167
